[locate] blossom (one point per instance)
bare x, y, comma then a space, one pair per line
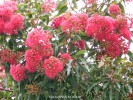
37, 37
91, 29
15, 24
5, 13
99, 56
10, 21
31, 68
114, 9
66, 26
80, 44
125, 44
46, 50
56, 22
113, 51
111, 45
98, 26
39, 42
76, 23
121, 23
17, 72
10, 56
52, 66
12, 5
126, 34
1, 26
65, 57
32, 57
113, 34
48, 6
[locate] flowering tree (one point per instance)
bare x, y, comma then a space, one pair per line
53, 50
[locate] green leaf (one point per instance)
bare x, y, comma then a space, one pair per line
7, 67
10, 44
122, 7
129, 88
85, 64
81, 52
45, 19
29, 15
91, 87
117, 96
61, 4
62, 10
56, 49
105, 85
111, 93
74, 3
22, 7
130, 54
118, 85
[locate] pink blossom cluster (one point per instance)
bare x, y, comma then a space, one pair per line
56, 22
38, 37
39, 54
74, 22
17, 72
10, 21
10, 56
80, 44
113, 34
48, 6
41, 50
114, 9
65, 57
38, 41
52, 66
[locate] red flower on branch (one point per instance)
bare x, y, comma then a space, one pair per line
52, 66
17, 72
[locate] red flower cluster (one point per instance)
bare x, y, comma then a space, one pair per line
40, 48
38, 37
17, 72
10, 21
52, 67
113, 34
75, 22
48, 6
65, 57
10, 56
33, 57
38, 41
56, 22
114, 9
80, 44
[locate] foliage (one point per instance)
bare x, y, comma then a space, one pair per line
60, 54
